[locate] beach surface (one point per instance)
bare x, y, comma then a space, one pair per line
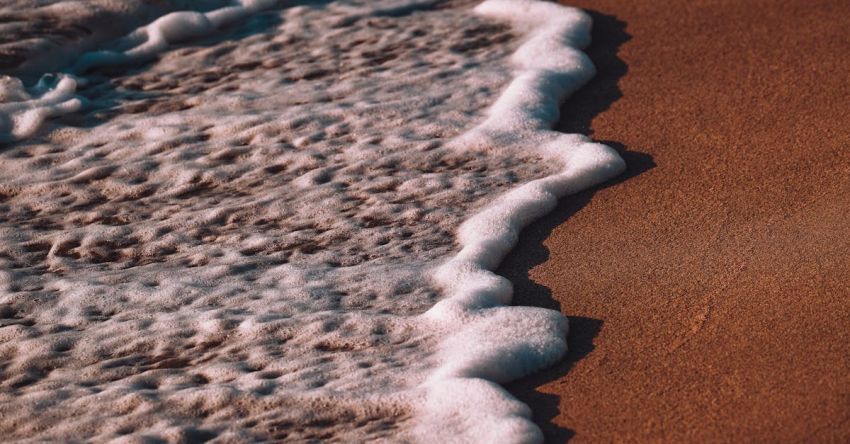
707, 288
260, 220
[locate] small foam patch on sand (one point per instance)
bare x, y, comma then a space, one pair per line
251, 232
24, 110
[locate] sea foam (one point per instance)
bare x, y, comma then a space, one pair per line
489, 342
23, 110
287, 231
22, 115
150, 40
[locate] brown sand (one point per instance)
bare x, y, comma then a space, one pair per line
709, 289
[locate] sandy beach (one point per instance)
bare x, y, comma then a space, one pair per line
259, 220
707, 287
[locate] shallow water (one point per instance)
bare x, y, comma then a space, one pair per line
276, 222
228, 241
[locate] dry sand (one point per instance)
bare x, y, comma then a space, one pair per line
709, 288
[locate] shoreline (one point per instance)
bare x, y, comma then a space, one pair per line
707, 288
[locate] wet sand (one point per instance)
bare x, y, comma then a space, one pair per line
709, 287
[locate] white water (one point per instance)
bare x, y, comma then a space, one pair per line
253, 238
24, 110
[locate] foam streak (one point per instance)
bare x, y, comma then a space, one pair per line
22, 117
148, 41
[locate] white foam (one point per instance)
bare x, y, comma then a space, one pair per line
259, 213
264, 247
487, 341
177, 27
47, 35
22, 110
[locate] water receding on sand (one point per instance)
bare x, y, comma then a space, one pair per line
237, 236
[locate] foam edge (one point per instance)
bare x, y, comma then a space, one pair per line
485, 341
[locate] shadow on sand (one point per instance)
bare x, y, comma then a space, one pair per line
577, 116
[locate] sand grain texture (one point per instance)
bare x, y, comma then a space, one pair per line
715, 278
